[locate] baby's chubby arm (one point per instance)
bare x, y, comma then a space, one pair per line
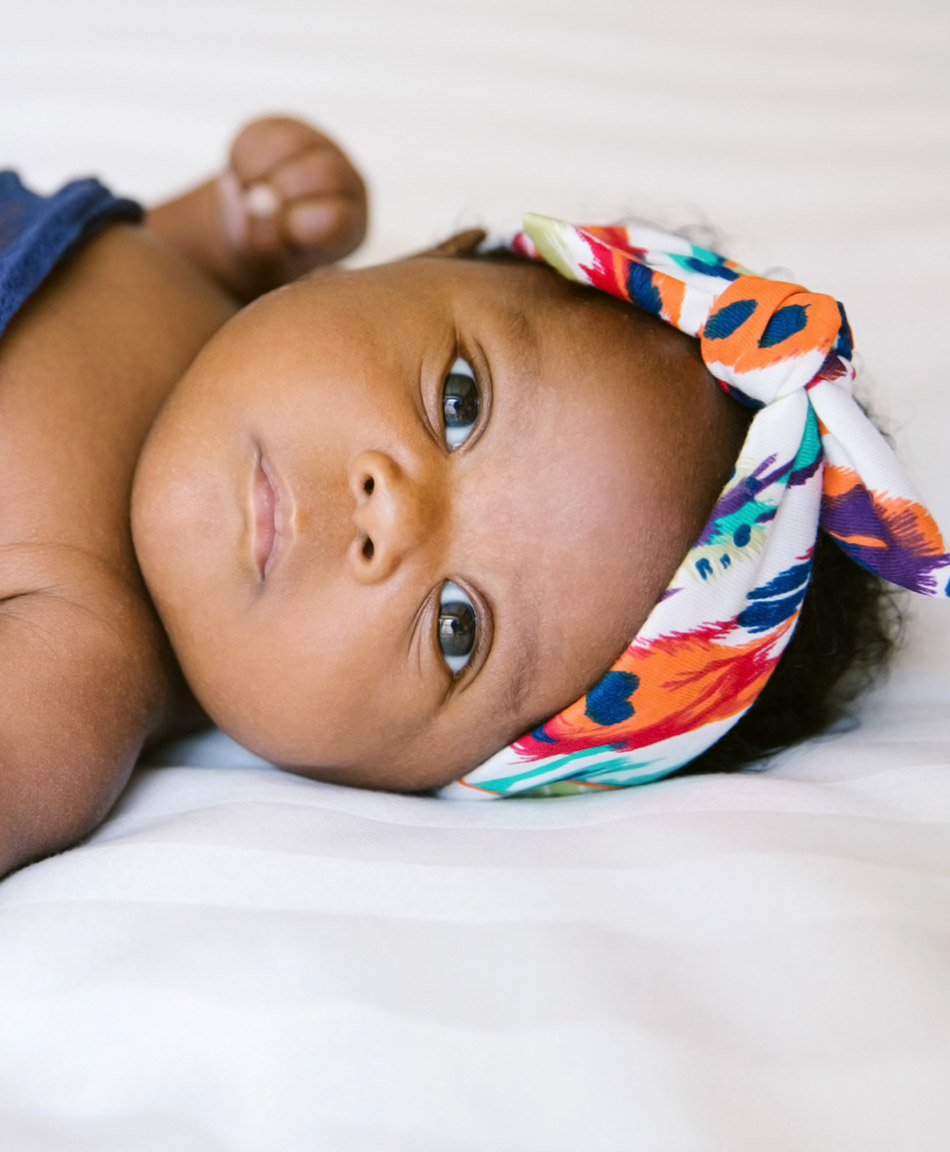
86, 673
289, 201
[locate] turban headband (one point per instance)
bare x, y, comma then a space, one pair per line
811, 459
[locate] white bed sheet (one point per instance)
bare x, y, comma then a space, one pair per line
239, 959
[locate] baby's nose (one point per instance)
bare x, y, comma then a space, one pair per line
391, 517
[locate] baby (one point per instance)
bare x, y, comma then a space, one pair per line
392, 527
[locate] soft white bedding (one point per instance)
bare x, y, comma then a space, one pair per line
243, 960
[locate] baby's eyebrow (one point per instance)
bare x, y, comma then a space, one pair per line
524, 338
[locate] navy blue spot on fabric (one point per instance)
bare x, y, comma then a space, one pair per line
609, 701
724, 322
741, 398
715, 268
642, 289
845, 343
766, 614
742, 535
784, 323
791, 578
725, 561
704, 568
542, 737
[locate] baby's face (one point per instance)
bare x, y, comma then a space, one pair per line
394, 518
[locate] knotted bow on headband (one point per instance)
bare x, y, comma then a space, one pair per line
811, 458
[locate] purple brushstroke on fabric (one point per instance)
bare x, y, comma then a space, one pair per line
773, 477
746, 490
908, 565
743, 493
805, 473
916, 573
852, 513
833, 367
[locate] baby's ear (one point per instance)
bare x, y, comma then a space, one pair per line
460, 244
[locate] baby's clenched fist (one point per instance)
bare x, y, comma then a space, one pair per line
289, 201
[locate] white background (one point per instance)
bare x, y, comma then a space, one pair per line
241, 960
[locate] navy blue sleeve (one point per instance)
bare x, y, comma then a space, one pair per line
36, 232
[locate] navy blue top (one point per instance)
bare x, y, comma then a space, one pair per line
36, 232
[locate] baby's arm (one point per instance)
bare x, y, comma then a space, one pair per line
82, 682
290, 200
86, 674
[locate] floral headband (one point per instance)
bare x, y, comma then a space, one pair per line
811, 458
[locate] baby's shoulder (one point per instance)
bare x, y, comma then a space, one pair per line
38, 231
85, 365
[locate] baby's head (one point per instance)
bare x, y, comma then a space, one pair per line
394, 518
456, 517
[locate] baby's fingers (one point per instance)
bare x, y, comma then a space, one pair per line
263, 145
324, 203
290, 200
324, 228
251, 216
319, 170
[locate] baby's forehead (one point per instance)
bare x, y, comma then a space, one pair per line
423, 306
520, 290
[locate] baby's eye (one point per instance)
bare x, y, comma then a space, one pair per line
459, 402
458, 625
